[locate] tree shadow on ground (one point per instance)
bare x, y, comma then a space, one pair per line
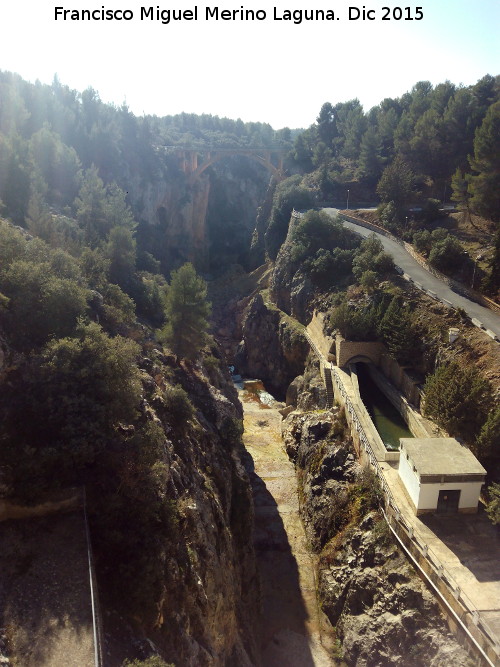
45, 602
284, 636
472, 538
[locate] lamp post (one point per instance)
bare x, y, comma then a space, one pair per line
474, 270
347, 207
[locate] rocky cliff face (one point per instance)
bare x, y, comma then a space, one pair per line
272, 349
201, 594
238, 186
382, 612
258, 247
307, 391
290, 288
209, 223
173, 214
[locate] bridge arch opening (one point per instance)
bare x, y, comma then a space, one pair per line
269, 158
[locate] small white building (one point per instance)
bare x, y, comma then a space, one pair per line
440, 475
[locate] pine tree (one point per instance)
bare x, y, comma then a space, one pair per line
398, 332
121, 252
370, 157
460, 185
397, 183
91, 208
493, 507
485, 185
488, 442
187, 312
39, 218
492, 280
459, 399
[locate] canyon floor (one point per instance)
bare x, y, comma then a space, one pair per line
294, 632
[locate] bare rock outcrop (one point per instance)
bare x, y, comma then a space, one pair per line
307, 391
290, 288
210, 588
382, 611
272, 349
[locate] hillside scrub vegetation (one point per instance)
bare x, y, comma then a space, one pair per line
459, 399
91, 399
411, 154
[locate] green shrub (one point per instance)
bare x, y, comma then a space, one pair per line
231, 431
458, 398
422, 241
178, 406
354, 324
42, 305
366, 493
327, 268
371, 256
289, 194
493, 506
488, 442
447, 255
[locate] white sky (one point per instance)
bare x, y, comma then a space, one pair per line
270, 71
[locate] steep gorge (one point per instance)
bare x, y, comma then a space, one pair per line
191, 590
208, 222
382, 612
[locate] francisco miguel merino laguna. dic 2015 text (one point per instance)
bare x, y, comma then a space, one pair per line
296, 16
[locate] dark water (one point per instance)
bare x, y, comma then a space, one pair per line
387, 420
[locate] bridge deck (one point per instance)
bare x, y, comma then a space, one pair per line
45, 603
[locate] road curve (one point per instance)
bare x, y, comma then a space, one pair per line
422, 278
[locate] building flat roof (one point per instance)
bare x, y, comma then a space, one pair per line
441, 456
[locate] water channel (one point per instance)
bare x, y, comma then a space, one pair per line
292, 631
387, 420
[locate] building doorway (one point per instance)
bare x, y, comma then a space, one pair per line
448, 502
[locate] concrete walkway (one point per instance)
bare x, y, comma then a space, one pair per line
292, 633
422, 277
468, 546
45, 602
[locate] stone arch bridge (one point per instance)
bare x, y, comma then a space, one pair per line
193, 166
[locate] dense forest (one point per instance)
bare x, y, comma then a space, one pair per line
50, 135
430, 133
432, 145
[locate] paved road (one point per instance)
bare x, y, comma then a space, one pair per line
422, 277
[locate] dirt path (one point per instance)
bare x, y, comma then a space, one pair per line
291, 618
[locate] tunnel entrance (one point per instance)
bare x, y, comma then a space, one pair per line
385, 417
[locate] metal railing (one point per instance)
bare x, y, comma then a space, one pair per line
459, 287
96, 612
457, 602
